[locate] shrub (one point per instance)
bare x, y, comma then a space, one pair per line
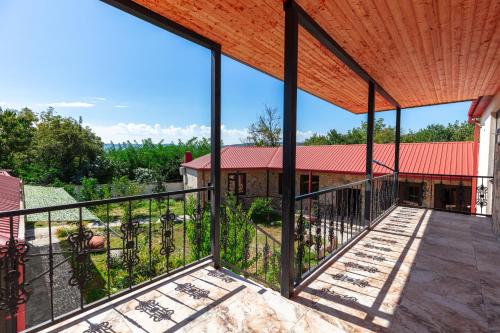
261, 210
198, 233
237, 233
89, 190
64, 231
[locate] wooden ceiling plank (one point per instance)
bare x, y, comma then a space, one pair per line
422, 52
424, 14
489, 38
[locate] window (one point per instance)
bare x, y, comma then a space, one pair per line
280, 183
411, 193
452, 197
304, 184
237, 181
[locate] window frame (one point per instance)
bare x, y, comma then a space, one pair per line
240, 180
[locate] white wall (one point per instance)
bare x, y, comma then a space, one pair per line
190, 179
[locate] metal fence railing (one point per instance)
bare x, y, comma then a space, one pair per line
87, 253
330, 219
453, 193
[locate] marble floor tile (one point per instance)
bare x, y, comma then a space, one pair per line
416, 271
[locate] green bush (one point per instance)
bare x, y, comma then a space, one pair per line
198, 229
261, 210
89, 190
237, 233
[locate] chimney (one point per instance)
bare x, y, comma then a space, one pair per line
188, 157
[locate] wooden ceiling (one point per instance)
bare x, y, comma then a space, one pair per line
422, 52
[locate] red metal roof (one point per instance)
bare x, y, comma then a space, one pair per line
450, 158
10, 199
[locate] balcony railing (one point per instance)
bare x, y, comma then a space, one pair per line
328, 220
96, 251
453, 193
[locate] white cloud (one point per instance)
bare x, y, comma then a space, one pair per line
139, 131
76, 104
119, 106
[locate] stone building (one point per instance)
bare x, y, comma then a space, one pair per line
439, 175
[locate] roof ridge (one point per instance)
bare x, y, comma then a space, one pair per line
274, 155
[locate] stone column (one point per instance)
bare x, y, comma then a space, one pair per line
496, 186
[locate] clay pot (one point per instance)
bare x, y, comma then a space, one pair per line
97, 242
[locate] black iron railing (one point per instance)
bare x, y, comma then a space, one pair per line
330, 219
248, 245
453, 193
90, 252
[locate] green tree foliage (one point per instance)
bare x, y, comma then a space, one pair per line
266, 131
50, 149
17, 129
458, 131
64, 147
150, 162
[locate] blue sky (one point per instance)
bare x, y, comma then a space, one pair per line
131, 80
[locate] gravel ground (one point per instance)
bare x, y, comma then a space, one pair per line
66, 298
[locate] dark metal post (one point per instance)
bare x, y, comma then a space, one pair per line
215, 143
369, 152
289, 146
396, 154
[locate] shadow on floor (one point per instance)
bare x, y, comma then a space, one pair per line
417, 271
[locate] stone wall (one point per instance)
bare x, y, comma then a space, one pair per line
496, 187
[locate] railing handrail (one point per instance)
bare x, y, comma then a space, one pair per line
326, 190
336, 188
91, 203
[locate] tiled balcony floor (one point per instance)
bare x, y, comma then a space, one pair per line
417, 271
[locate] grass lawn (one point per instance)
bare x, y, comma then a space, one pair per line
151, 263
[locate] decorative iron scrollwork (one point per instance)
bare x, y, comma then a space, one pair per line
246, 246
198, 229
224, 230
192, 291
167, 233
266, 254
79, 243
154, 310
130, 230
13, 291
317, 235
482, 196
299, 236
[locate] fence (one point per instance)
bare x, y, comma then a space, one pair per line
81, 264
453, 193
330, 219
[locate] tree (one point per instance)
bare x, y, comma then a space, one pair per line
458, 131
17, 129
382, 134
65, 148
266, 131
